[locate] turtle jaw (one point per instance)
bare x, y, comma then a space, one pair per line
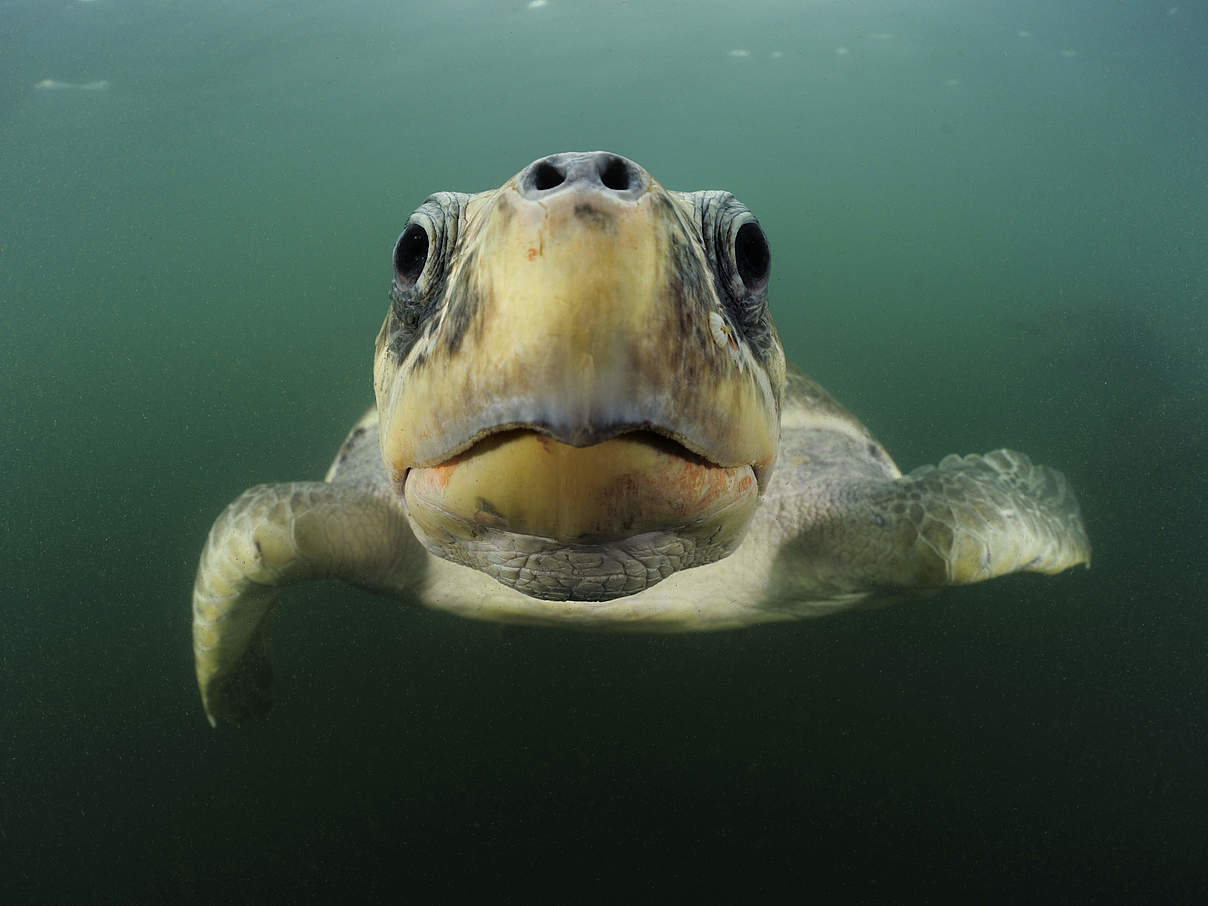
525, 482
592, 523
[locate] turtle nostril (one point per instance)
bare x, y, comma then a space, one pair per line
547, 176
615, 175
581, 171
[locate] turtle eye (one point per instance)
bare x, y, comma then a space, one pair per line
752, 257
410, 256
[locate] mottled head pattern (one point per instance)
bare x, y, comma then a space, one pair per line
580, 301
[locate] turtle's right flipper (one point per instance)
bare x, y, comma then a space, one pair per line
275, 535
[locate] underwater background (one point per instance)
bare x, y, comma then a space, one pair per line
989, 224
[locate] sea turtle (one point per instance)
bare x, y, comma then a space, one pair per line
584, 418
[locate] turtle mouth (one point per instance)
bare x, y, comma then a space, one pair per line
524, 481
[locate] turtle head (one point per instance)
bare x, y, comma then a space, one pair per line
578, 381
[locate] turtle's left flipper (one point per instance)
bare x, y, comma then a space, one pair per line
970, 519
275, 535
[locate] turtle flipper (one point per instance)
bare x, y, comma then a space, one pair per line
969, 519
275, 535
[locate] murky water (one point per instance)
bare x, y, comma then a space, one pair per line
988, 224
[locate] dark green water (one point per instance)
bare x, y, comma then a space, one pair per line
989, 223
